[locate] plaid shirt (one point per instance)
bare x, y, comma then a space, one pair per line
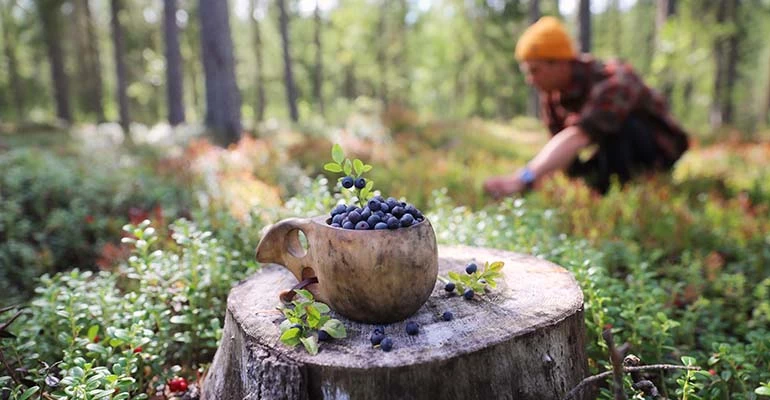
599, 99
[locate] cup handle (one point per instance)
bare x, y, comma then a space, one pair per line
280, 246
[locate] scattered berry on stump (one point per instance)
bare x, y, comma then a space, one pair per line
386, 344
447, 316
468, 294
412, 328
323, 336
449, 287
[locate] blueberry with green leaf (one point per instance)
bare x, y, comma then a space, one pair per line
475, 281
307, 323
353, 171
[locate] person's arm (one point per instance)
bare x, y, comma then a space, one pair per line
556, 155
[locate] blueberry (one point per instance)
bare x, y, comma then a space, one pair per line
412, 328
366, 213
397, 211
381, 225
393, 223
341, 208
376, 337
323, 336
471, 268
407, 220
380, 328
380, 214
392, 202
347, 182
336, 226
468, 294
409, 209
378, 198
337, 219
354, 216
386, 344
373, 220
374, 205
384, 207
450, 287
350, 208
360, 183
348, 225
362, 226
447, 316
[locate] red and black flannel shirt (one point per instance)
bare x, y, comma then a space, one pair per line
599, 99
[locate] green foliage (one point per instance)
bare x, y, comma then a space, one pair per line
477, 281
355, 169
304, 319
57, 212
106, 331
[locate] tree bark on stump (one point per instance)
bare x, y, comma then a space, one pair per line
523, 340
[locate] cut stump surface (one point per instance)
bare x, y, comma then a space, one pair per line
523, 340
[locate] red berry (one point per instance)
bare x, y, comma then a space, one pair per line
96, 339
138, 349
712, 372
607, 326
177, 384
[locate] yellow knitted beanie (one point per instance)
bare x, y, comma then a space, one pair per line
546, 39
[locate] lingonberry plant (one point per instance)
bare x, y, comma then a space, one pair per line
307, 323
474, 281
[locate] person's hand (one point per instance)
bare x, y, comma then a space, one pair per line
501, 186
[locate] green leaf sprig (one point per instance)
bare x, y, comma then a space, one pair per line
477, 281
350, 168
304, 319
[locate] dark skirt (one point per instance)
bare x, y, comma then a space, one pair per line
624, 155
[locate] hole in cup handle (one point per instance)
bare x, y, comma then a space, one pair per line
281, 245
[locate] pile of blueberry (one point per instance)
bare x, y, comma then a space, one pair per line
378, 213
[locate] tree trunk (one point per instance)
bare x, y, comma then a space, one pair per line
584, 24
665, 9
9, 43
318, 70
88, 61
223, 102
120, 65
533, 103
382, 56
190, 34
174, 74
260, 78
766, 114
349, 86
617, 28
49, 16
525, 339
725, 54
288, 73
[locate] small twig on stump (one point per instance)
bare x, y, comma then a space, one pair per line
604, 375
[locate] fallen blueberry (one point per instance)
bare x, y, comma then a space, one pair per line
412, 328
376, 337
449, 287
360, 183
468, 294
323, 336
386, 344
471, 268
347, 182
447, 316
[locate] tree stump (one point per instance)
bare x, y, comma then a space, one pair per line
522, 340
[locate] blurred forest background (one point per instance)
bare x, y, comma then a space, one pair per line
143, 61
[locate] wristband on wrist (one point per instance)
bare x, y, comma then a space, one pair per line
528, 177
